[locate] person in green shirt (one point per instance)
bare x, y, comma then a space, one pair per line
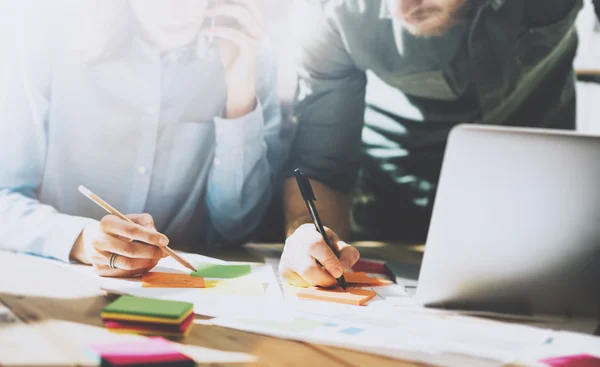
382, 83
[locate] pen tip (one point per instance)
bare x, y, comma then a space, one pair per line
342, 282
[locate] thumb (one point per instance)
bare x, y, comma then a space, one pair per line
349, 255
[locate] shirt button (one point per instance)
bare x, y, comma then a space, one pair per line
217, 162
151, 110
294, 120
142, 170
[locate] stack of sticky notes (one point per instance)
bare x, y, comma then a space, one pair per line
149, 352
351, 296
147, 316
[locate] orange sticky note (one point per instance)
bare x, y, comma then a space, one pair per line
171, 280
360, 277
353, 296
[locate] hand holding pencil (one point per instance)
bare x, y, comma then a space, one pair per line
121, 245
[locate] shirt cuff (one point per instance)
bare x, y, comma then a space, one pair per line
64, 234
234, 133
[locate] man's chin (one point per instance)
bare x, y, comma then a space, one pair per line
428, 28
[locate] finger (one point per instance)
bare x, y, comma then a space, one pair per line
251, 6
316, 275
118, 227
240, 39
144, 220
106, 271
320, 251
349, 255
110, 244
100, 257
128, 263
242, 14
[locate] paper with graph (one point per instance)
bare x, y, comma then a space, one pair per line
420, 336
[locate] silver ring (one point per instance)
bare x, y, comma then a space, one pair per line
111, 261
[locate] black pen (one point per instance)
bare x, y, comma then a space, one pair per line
309, 197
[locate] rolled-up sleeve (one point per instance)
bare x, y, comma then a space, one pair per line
246, 162
329, 109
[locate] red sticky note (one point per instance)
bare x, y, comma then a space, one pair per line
150, 350
578, 360
147, 328
369, 266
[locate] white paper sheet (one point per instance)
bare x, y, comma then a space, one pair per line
220, 301
423, 337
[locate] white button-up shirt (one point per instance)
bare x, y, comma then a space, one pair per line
143, 131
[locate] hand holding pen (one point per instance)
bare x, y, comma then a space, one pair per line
314, 254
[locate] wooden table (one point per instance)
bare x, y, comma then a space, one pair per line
60, 314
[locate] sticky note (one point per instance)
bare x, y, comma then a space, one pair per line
353, 296
369, 266
171, 280
362, 278
578, 360
144, 328
149, 351
147, 309
207, 270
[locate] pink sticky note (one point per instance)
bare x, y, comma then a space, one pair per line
150, 350
578, 360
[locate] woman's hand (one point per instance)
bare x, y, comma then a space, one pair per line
99, 241
239, 49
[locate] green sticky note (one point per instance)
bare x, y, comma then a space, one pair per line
207, 270
149, 307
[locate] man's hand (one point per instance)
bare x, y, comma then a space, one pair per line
302, 250
239, 49
112, 235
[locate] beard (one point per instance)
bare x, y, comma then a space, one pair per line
435, 22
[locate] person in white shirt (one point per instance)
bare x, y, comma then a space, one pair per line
136, 104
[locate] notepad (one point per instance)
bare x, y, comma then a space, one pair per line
363, 279
147, 309
208, 270
171, 280
353, 296
156, 351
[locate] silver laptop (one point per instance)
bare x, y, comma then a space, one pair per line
516, 224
